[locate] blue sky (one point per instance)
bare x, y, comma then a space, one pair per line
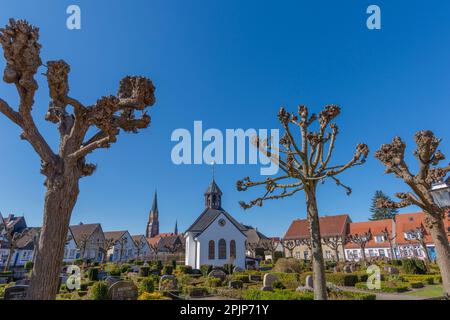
232, 64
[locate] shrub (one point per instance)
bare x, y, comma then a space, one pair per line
241, 277
151, 296
342, 279
386, 286
113, 270
28, 265
147, 285
288, 265
416, 284
205, 269
144, 271
396, 262
230, 293
228, 267
78, 262
213, 282
289, 280
124, 268
348, 295
255, 294
84, 286
414, 266
278, 285
93, 274
167, 270
99, 291
419, 278
185, 269
193, 291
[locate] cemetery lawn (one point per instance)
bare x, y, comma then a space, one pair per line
430, 291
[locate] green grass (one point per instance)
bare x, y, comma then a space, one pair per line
428, 291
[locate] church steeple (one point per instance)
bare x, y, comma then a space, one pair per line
213, 196
176, 227
153, 219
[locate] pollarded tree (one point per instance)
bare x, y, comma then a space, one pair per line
392, 155
390, 237
289, 245
107, 245
305, 163
418, 235
64, 168
10, 237
334, 242
361, 240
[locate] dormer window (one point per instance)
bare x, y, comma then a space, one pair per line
379, 238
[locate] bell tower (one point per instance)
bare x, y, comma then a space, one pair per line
213, 196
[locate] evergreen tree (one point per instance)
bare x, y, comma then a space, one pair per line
381, 213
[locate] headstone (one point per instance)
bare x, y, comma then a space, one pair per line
336, 269
4, 280
155, 272
123, 290
17, 292
135, 269
254, 277
235, 284
347, 269
217, 273
268, 281
111, 280
102, 275
146, 264
23, 282
393, 270
238, 269
309, 283
167, 282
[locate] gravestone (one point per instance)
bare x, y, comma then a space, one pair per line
235, 284
17, 292
268, 281
111, 280
4, 280
155, 272
393, 270
309, 282
123, 290
336, 269
238, 269
135, 269
255, 277
217, 273
102, 275
167, 282
23, 282
347, 269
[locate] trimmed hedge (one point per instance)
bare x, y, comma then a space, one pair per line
388, 287
289, 280
255, 294
348, 295
99, 291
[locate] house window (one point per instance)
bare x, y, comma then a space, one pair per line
408, 235
379, 238
222, 249
305, 255
211, 255
233, 249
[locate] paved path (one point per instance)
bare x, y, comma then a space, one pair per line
386, 296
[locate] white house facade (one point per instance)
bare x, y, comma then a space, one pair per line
215, 238
124, 247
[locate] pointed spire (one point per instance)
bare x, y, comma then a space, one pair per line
213, 196
155, 203
176, 227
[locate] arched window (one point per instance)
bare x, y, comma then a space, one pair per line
211, 253
222, 249
232, 249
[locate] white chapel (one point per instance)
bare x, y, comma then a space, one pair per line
215, 238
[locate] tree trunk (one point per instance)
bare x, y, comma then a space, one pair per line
336, 252
439, 236
318, 266
62, 193
363, 252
